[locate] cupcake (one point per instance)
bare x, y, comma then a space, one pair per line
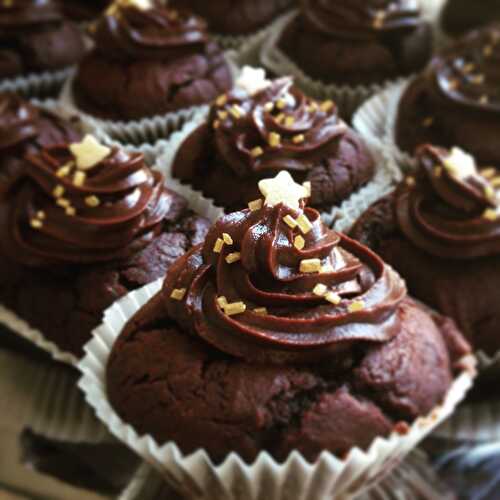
357, 42
81, 225
441, 230
149, 60
278, 334
459, 16
262, 127
83, 10
234, 18
27, 129
456, 100
35, 37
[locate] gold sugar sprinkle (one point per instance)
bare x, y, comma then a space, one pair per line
428, 121
216, 124
281, 104
469, 68
410, 181
304, 223
489, 192
233, 257
63, 202
36, 223
236, 111
484, 99
274, 140
219, 243
495, 182
289, 121
298, 139
487, 50
71, 211
290, 221
269, 106
222, 114
41, 215
58, 191
279, 118
260, 310
178, 293
79, 178
299, 243
255, 205
327, 106
221, 100
64, 170
227, 239
357, 305
490, 214
235, 308
92, 201
333, 298
453, 85
313, 106
320, 290
222, 301
256, 152
477, 79
438, 171
310, 266
489, 172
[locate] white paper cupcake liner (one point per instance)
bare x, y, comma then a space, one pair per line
414, 478
347, 97
36, 84
195, 475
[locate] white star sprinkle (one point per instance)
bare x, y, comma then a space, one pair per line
252, 80
89, 152
283, 189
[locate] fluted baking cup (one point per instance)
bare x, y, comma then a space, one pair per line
40, 85
347, 97
414, 478
339, 216
196, 476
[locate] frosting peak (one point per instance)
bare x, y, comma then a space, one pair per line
18, 120
361, 19
274, 284
56, 213
451, 208
149, 31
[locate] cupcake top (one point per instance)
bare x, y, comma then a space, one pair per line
145, 29
451, 208
16, 14
81, 203
273, 284
361, 19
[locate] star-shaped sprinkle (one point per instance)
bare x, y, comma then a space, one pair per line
89, 152
252, 80
282, 189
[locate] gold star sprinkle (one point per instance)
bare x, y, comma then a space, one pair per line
333, 298
235, 308
310, 266
233, 257
299, 243
219, 243
320, 290
92, 201
89, 152
255, 205
178, 293
357, 305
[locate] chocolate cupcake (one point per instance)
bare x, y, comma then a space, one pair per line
279, 334
35, 37
27, 129
441, 231
81, 225
262, 127
149, 60
459, 16
357, 42
230, 17
456, 100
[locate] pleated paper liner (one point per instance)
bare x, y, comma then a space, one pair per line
412, 479
347, 97
376, 122
195, 474
196, 202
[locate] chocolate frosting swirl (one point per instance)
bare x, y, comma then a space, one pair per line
449, 213
156, 33
48, 219
297, 325
361, 19
468, 72
244, 125
24, 13
18, 120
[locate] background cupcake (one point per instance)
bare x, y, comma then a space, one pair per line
82, 225
457, 17
441, 230
35, 37
148, 60
456, 101
262, 127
